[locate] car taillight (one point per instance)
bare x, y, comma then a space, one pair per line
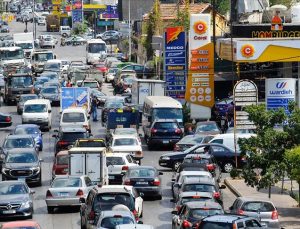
91, 215
7, 119
240, 212
61, 143
186, 224
176, 147
217, 195
48, 194
136, 214
210, 167
125, 168
274, 215
127, 182
79, 193
153, 131
178, 131
156, 182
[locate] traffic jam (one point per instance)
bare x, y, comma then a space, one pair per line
95, 121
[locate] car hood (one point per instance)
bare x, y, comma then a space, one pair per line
20, 165
4, 199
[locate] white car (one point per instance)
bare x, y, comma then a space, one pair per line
75, 117
47, 41
65, 65
127, 143
117, 165
37, 111
41, 20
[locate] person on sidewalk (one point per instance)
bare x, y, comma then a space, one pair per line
94, 105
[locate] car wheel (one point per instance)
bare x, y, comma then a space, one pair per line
50, 209
176, 165
228, 167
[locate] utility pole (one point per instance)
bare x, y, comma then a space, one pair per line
129, 24
34, 21
214, 23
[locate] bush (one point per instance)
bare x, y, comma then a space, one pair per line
235, 173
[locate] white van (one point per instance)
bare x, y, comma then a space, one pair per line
75, 117
41, 20
228, 140
37, 111
65, 31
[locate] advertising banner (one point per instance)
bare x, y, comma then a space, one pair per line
279, 92
200, 85
77, 11
74, 97
175, 62
111, 12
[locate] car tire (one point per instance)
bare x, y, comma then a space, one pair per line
176, 165
50, 209
159, 197
227, 167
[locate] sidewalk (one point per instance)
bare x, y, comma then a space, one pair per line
289, 213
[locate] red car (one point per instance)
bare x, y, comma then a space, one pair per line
101, 67
60, 164
21, 224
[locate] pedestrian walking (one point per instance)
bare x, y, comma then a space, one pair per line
94, 105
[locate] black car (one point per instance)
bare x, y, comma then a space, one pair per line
22, 164
164, 132
67, 137
111, 103
224, 156
5, 120
145, 179
192, 212
15, 200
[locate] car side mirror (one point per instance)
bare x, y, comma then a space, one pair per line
81, 200
174, 212
49, 111
54, 56
176, 185
142, 194
222, 186
161, 173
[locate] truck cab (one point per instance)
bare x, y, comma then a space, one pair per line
39, 58
12, 56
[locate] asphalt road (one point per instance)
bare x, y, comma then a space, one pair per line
156, 213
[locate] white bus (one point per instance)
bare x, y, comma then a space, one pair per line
96, 50
161, 107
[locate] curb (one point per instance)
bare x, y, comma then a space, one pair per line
232, 188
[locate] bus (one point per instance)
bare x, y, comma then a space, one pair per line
96, 51
161, 107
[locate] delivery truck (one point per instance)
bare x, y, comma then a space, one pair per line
52, 23
26, 42
90, 161
75, 97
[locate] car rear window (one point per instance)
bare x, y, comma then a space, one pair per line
73, 117
201, 213
125, 142
66, 182
198, 188
106, 201
216, 225
114, 161
62, 160
197, 198
202, 161
258, 207
112, 222
165, 125
88, 143
72, 137
141, 173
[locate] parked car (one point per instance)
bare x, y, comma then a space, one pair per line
263, 210
16, 201
22, 164
22, 100
60, 164
146, 180
66, 190
33, 130
190, 140
5, 120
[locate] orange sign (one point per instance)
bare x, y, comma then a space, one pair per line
200, 85
173, 33
247, 50
200, 27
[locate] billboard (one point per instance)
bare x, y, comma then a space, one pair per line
200, 85
77, 11
279, 92
175, 62
74, 97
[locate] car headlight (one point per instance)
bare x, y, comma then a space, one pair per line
36, 169
26, 204
5, 170
165, 158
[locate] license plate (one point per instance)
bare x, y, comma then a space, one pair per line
165, 141
64, 194
111, 177
140, 182
9, 212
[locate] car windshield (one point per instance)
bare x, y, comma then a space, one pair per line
21, 158
25, 45
73, 117
35, 108
26, 130
15, 189
19, 143
88, 143
190, 139
105, 201
20, 81
43, 56
90, 84
125, 142
167, 113
216, 225
201, 213
62, 160
112, 222
73, 136
258, 206
207, 127
28, 97
66, 182
114, 161
52, 66
198, 188
96, 48
144, 172
50, 90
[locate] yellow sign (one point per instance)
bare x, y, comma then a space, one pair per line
92, 6
56, 2
247, 50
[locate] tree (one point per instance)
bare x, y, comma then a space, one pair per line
265, 164
281, 2
79, 28
292, 158
183, 16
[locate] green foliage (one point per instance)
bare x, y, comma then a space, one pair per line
266, 164
183, 17
222, 6
235, 173
281, 2
79, 28
293, 162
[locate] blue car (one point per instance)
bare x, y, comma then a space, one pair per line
33, 130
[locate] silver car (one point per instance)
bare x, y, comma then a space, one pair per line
66, 190
263, 210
